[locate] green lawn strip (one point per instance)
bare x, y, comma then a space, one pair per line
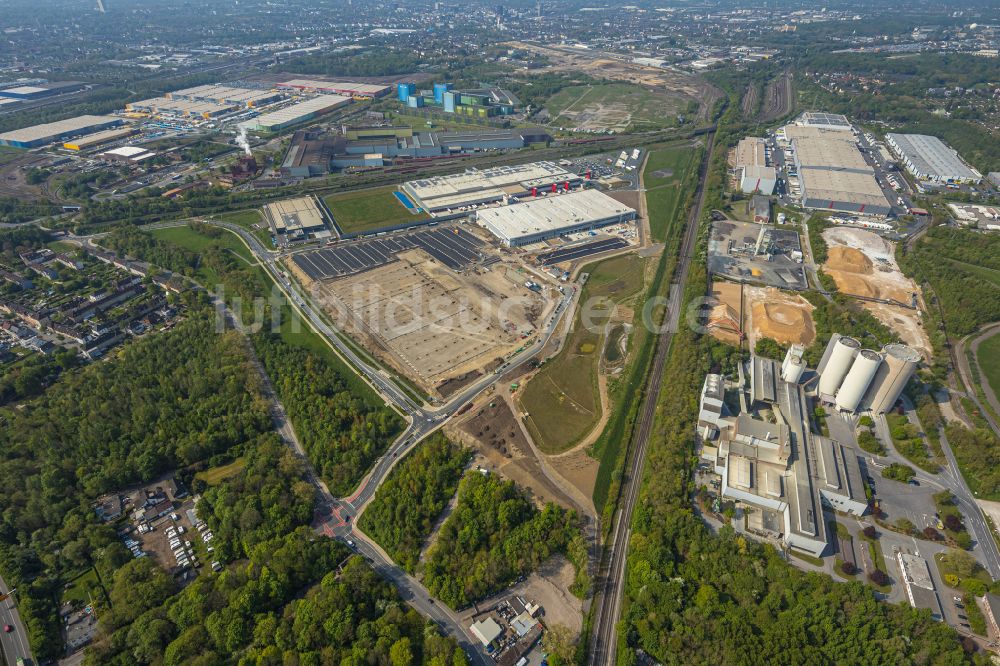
252, 221
878, 560
84, 589
365, 210
907, 441
989, 361
562, 399
216, 475
815, 561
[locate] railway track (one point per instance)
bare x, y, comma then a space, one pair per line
611, 578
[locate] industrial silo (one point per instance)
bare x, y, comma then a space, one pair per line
837, 362
900, 362
856, 383
794, 365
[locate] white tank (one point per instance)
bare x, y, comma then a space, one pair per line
900, 364
793, 366
839, 362
856, 383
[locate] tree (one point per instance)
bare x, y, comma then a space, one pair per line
558, 642
869, 532
878, 577
848, 568
931, 533
961, 562
401, 654
905, 525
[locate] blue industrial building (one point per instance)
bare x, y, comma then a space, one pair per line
405, 90
439, 90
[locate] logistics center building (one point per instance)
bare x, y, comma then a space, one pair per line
63, 130
929, 158
833, 172
346, 88
543, 218
474, 187
296, 113
752, 169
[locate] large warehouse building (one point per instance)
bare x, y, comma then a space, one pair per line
242, 97
751, 167
833, 172
63, 130
346, 88
549, 217
296, 113
929, 158
180, 108
474, 187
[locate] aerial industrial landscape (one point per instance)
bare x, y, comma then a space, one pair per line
532, 333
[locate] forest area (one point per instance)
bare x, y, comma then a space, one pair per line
287, 597
495, 535
407, 504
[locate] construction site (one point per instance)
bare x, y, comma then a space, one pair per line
738, 311
432, 323
863, 265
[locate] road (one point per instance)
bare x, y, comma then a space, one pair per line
609, 585
14, 644
336, 517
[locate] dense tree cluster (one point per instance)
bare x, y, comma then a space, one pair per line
843, 315
268, 498
342, 432
296, 599
963, 269
18, 210
174, 399
978, 455
407, 504
493, 536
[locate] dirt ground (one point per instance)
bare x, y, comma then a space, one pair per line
498, 439
863, 263
578, 468
784, 317
431, 323
597, 65
724, 318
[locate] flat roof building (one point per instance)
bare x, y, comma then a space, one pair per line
243, 97
832, 171
41, 135
475, 186
548, 217
99, 138
180, 108
132, 154
347, 88
296, 113
296, 218
486, 630
929, 158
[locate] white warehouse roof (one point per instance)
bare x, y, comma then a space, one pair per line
550, 215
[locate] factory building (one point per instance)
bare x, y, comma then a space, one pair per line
127, 154
40, 90
239, 97
474, 187
543, 218
296, 113
63, 130
308, 155
439, 90
405, 90
344, 88
778, 467
180, 108
751, 167
862, 379
99, 138
833, 173
928, 158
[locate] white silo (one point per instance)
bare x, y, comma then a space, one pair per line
856, 383
793, 366
837, 363
900, 364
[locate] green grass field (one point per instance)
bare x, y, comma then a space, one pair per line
192, 240
248, 219
664, 178
215, 475
451, 123
365, 210
563, 399
989, 360
84, 589
621, 106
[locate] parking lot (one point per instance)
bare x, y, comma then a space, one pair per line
451, 246
579, 251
